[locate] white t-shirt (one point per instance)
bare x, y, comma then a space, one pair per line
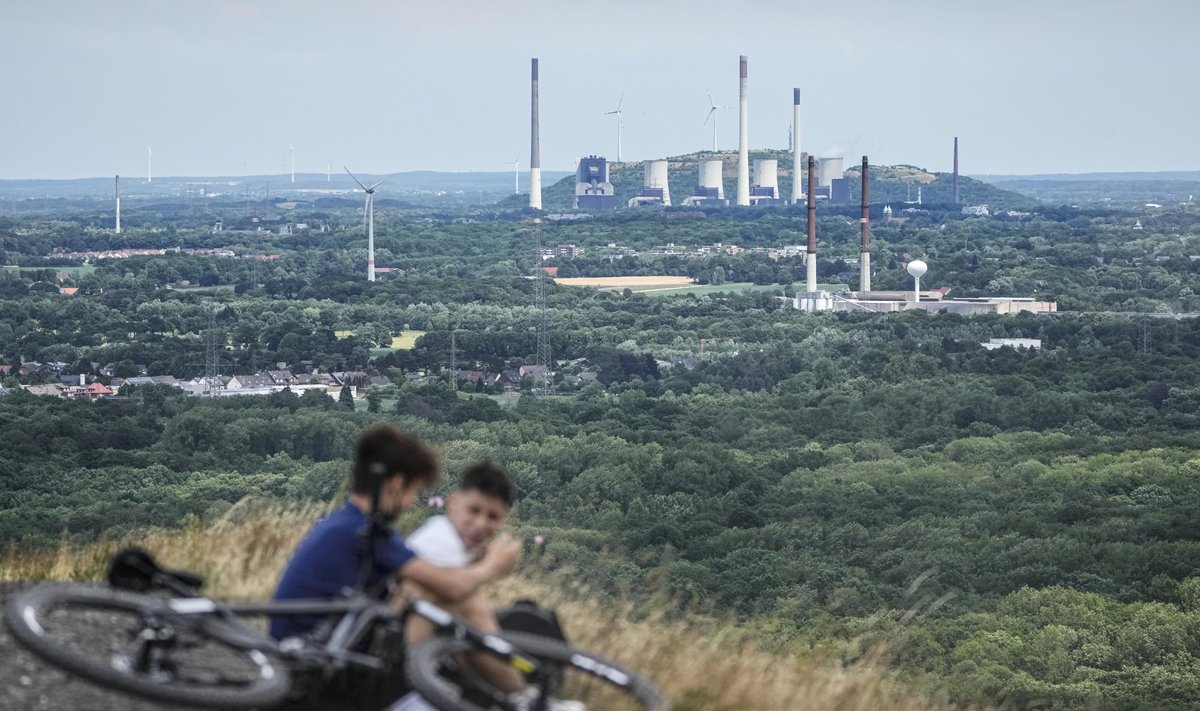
437, 542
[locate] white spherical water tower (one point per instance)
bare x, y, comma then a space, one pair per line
917, 269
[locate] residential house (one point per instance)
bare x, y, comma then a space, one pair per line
91, 391
247, 384
148, 380
282, 377
534, 371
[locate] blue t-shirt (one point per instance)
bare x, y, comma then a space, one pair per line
329, 560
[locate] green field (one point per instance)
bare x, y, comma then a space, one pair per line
404, 342
79, 271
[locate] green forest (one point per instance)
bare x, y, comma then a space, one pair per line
1017, 526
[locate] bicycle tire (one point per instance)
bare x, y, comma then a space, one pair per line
66, 625
425, 666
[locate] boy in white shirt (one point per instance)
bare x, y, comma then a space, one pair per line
475, 512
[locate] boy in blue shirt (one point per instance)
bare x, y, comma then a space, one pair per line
331, 557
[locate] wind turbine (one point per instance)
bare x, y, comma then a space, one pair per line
617, 111
150, 162
712, 114
369, 218
516, 177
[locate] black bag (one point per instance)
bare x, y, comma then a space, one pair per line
531, 618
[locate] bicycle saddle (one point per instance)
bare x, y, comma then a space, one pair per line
135, 570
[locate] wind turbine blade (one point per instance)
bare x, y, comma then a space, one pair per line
710, 113
710, 101
619, 102
384, 179
355, 179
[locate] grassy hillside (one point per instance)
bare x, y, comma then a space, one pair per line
705, 664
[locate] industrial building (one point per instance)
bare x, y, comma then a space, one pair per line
875, 301
592, 189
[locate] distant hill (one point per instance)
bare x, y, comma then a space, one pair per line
1112, 189
1189, 175
888, 184
493, 185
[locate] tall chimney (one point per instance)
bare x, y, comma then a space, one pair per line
117, 225
535, 149
797, 169
810, 261
864, 257
956, 197
743, 166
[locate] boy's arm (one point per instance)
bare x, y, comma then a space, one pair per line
452, 584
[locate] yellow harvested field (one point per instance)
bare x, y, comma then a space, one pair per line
625, 282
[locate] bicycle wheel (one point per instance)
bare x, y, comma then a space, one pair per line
135, 643
434, 670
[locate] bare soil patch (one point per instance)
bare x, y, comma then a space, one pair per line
625, 281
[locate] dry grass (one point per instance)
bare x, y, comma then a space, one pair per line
703, 663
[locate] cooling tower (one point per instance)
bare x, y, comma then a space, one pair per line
797, 168
766, 175
535, 146
743, 166
656, 179
710, 184
831, 167
712, 178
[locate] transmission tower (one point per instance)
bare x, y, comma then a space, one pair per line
212, 362
542, 315
1145, 340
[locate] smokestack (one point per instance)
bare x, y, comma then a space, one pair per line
117, 226
535, 149
956, 200
810, 261
864, 257
743, 167
797, 169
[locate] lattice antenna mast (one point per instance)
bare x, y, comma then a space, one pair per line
542, 314
212, 363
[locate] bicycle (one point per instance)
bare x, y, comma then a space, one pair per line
151, 633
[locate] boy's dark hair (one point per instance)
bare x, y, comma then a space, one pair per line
489, 478
386, 450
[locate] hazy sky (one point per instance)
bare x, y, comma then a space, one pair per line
222, 86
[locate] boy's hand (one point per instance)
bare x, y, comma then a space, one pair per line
503, 555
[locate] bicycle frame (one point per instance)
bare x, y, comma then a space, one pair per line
359, 614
